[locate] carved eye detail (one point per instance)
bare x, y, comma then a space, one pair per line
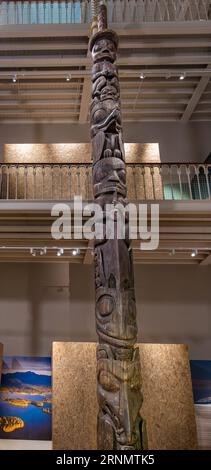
97, 47
122, 175
105, 305
99, 116
108, 382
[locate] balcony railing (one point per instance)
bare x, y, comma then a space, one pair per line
52, 182
119, 11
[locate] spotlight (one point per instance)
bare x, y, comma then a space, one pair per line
43, 251
68, 78
182, 76
14, 78
172, 252
75, 252
142, 76
194, 253
60, 252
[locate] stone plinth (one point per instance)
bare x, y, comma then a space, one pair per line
168, 400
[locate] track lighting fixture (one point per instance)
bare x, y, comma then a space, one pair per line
60, 252
38, 251
14, 78
172, 252
194, 253
75, 252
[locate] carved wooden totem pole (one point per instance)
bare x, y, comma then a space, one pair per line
120, 425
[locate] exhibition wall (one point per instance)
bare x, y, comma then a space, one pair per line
178, 142
42, 303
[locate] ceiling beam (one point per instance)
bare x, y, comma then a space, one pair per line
201, 87
85, 101
45, 92
82, 43
168, 28
152, 111
42, 104
74, 119
66, 102
41, 61
206, 261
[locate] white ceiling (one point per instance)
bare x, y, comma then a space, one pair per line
42, 56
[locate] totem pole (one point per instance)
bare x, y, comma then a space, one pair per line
120, 426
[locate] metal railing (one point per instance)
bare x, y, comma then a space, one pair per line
144, 181
119, 11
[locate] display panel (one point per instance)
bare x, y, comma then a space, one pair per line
201, 379
26, 398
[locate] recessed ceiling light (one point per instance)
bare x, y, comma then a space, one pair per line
182, 76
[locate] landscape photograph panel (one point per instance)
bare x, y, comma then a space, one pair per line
26, 398
201, 378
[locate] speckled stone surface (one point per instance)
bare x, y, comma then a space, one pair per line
74, 396
1, 356
168, 399
74, 153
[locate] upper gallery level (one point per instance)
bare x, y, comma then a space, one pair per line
119, 11
29, 191
164, 60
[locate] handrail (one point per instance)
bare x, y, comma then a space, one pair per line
145, 181
88, 163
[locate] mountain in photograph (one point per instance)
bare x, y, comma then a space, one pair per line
18, 379
201, 379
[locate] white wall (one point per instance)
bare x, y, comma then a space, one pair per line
178, 142
37, 306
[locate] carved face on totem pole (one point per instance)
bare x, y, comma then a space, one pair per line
116, 316
105, 82
104, 48
120, 400
105, 109
109, 176
115, 296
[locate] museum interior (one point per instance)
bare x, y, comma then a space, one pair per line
47, 285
